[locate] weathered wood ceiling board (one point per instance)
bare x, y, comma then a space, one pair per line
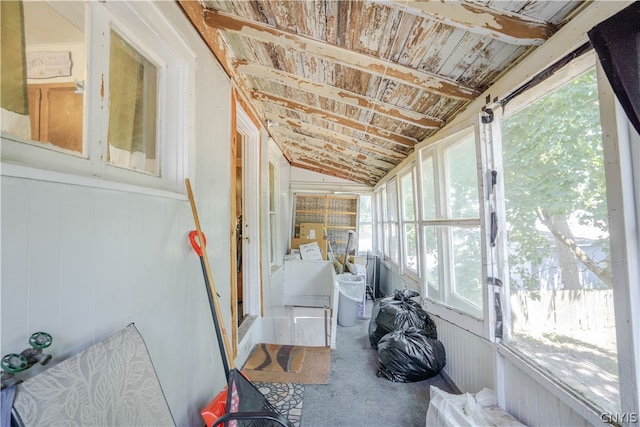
348, 88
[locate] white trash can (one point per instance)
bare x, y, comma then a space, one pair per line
351, 288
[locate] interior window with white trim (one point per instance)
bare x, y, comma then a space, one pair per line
450, 224
132, 108
99, 114
46, 44
561, 296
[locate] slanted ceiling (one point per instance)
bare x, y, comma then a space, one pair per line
348, 88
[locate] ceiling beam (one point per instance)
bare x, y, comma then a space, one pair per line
337, 174
335, 118
507, 27
297, 149
333, 135
195, 13
340, 147
337, 94
351, 58
313, 165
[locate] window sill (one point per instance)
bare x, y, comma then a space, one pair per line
391, 265
559, 390
456, 317
26, 172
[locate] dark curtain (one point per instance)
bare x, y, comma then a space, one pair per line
617, 43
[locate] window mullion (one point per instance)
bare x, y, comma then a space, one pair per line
498, 269
97, 95
443, 232
444, 263
420, 228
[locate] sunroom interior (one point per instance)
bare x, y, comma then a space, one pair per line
484, 155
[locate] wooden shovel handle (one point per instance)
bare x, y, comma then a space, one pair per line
207, 269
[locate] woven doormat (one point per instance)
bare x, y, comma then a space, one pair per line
277, 363
276, 357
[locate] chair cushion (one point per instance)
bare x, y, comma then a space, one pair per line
111, 383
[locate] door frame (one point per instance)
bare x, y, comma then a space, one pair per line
245, 125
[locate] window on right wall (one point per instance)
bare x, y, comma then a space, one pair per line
450, 224
561, 297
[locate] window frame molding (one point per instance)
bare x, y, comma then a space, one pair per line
157, 40
479, 326
277, 261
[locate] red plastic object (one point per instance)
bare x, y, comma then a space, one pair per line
215, 409
192, 238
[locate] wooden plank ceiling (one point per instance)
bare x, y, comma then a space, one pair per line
348, 88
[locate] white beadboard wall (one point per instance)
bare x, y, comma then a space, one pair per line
81, 260
532, 404
470, 359
471, 365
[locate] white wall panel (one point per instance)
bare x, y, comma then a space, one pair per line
43, 255
15, 207
390, 280
532, 404
470, 364
77, 245
470, 360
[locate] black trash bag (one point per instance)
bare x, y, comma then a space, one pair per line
390, 314
409, 355
404, 295
393, 315
377, 331
398, 295
374, 335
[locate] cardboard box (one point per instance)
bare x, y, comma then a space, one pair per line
311, 251
360, 260
322, 243
312, 230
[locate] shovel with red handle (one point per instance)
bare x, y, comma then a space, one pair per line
216, 323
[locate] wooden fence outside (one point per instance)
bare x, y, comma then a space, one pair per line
562, 310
